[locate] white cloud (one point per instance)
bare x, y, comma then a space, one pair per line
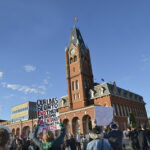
42, 87
29, 68
24, 88
144, 58
8, 96
1, 75
144, 62
45, 81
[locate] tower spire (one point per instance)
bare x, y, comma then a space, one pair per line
76, 37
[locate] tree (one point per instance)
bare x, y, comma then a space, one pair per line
132, 120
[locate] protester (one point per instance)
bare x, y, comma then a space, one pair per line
72, 142
147, 132
140, 137
78, 141
133, 139
16, 144
4, 139
115, 137
48, 141
84, 143
145, 136
97, 143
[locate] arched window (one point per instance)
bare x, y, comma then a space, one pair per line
77, 84
114, 109
78, 95
74, 96
121, 108
71, 60
75, 58
125, 112
73, 85
118, 110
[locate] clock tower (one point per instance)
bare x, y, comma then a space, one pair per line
79, 70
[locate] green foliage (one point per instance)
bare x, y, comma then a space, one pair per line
132, 120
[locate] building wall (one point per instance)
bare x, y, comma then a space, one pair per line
24, 111
122, 108
20, 111
78, 114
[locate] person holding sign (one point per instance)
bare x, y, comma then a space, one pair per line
48, 141
97, 142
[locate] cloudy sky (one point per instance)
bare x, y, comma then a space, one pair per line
34, 34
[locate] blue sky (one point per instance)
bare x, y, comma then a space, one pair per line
34, 34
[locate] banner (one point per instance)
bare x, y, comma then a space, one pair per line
103, 115
48, 115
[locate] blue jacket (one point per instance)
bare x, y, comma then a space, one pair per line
96, 144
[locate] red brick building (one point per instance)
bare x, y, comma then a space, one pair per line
77, 108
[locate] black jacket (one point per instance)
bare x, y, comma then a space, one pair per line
115, 139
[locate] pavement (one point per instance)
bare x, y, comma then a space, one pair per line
126, 142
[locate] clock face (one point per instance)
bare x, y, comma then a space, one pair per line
72, 51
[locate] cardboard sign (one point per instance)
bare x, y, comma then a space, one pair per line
48, 115
103, 115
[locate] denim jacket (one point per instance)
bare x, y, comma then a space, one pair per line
96, 144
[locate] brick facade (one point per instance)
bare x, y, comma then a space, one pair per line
77, 108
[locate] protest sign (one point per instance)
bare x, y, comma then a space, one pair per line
48, 115
103, 115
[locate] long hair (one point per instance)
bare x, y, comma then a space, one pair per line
48, 137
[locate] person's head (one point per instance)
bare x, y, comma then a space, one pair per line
114, 125
139, 127
48, 136
18, 141
144, 127
96, 132
4, 138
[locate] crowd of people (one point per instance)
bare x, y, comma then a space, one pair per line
99, 138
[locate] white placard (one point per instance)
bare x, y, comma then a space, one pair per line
48, 115
103, 115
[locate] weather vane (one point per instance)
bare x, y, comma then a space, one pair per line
75, 19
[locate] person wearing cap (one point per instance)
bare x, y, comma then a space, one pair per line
97, 142
115, 137
4, 139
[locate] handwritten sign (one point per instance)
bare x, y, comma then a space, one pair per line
48, 115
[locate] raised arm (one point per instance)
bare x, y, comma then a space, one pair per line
60, 139
36, 139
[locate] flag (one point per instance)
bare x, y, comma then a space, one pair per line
75, 19
102, 79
